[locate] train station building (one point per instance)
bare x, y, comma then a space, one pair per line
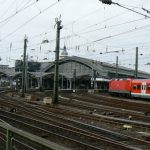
74, 73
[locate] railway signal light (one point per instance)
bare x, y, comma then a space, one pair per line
108, 2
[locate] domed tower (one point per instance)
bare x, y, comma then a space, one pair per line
64, 52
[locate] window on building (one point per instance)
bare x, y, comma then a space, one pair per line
148, 87
138, 87
134, 87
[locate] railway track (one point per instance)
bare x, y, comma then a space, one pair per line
47, 113
100, 110
47, 130
139, 120
119, 102
106, 105
75, 113
106, 110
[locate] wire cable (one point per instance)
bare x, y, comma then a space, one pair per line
7, 9
115, 25
17, 12
115, 35
51, 5
126, 32
105, 20
146, 16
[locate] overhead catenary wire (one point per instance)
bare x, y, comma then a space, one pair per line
131, 9
83, 17
71, 35
96, 29
108, 19
79, 35
34, 36
115, 35
8, 9
87, 36
24, 5
118, 34
148, 11
115, 25
51, 5
105, 20
17, 12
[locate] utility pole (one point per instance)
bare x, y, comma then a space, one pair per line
26, 75
74, 76
56, 75
136, 63
24, 67
117, 67
94, 77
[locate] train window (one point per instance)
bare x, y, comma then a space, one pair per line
134, 87
138, 87
148, 87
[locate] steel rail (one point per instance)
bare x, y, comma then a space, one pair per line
109, 132
31, 137
41, 131
56, 127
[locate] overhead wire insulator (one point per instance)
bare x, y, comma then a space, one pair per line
108, 2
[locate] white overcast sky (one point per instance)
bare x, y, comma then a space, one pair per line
84, 21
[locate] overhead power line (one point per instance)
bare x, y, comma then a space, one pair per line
17, 12
115, 35
51, 5
83, 17
8, 9
132, 10
111, 26
126, 32
105, 20
148, 11
109, 2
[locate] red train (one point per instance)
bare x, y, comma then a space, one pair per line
130, 87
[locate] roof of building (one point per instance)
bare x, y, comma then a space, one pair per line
102, 68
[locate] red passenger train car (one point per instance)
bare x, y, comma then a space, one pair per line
130, 87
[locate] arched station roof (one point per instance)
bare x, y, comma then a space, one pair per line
103, 69
90, 64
